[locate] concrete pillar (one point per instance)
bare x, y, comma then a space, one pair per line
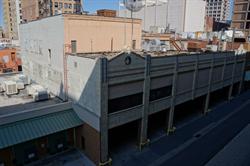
207, 102
232, 79
104, 157
170, 127
143, 140
243, 75
195, 77
223, 71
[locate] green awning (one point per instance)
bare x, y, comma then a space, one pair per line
29, 129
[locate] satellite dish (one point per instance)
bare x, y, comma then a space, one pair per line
134, 5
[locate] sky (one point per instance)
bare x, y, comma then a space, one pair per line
1, 14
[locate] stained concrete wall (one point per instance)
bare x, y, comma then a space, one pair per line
84, 83
192, 79
42, 47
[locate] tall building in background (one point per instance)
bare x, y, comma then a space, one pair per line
219, 9
1, 32
12, 18
241, 16
175, 15
33, 10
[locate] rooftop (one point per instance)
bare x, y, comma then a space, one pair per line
11, 104
91, 17
111, 55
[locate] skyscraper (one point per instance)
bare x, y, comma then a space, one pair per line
219, 9
12, 18
44, 8
241, 16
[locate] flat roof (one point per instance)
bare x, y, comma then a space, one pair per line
90, 17
22, 101
110, 55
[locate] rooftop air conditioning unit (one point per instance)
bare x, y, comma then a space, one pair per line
25, 79
1, 90
38, 93
40, 96
20, 85
10, 87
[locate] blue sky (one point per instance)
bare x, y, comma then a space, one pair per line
1, 14
89, 5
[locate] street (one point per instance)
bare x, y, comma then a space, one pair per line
198, 141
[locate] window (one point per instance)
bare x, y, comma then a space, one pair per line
66, 6
60, 5
83, 142
49, 56
13, 56
56, 4
134, 44
75, 64
159, 93
73, 46
126, 102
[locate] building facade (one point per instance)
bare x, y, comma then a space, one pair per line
33, 10
1, 33
241, 16
164, 15
110, 90
132, 87
67, 33
219, 9
12, 18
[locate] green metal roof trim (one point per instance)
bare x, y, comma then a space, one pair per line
29, 129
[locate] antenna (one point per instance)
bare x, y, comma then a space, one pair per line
133, 6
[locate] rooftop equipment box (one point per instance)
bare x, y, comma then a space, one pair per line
106, 13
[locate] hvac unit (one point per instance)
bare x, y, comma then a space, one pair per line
20, 85
25, 79
1, 87
10, 87
38, 93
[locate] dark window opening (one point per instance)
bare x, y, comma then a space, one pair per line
83, 142
240, 40
126, 102
134, 44
73, 46
13, 56
159, 93
248, 25
20, 68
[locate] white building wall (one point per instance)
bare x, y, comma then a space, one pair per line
37, 38
180, 13
195, 15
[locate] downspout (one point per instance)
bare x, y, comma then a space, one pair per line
184, 17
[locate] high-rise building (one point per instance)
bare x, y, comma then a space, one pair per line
219, 9
12, 17
176, 15
1, 32
33, 10
241, 16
